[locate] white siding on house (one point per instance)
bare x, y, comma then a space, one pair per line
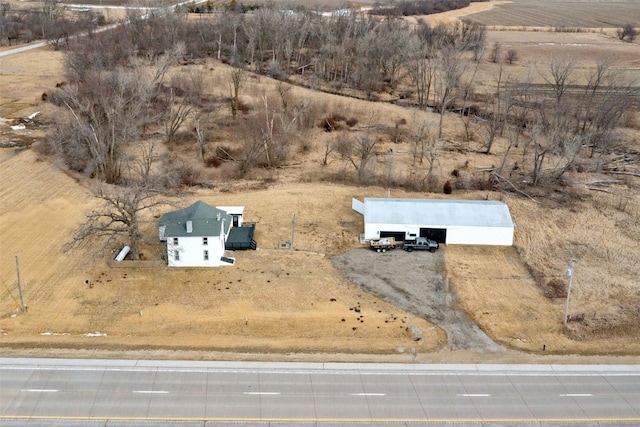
191, 250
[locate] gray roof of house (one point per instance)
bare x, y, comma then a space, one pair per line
204, 221
437, 212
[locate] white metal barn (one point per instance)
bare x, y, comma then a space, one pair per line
459, 222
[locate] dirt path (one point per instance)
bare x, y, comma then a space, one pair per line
415, 282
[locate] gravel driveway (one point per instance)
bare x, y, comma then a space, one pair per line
414, 282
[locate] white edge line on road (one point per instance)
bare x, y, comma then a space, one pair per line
272, 393
474, 395
577, 395
367, 394
151, 391
37, 390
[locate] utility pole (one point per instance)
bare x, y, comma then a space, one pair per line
566, 304
293, 230
19, 286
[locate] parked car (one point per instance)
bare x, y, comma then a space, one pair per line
420, 244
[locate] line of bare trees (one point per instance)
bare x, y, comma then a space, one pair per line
117, 88
557, 120
50, 21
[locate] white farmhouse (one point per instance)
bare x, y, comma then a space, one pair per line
196, 236
463, 222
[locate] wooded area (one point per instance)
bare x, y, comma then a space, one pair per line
117, 89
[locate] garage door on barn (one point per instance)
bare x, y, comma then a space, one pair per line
437, 234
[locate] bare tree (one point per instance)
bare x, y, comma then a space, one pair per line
142, 163
329, 147
178, 112
554, 143
252, 141
264, 32
421, 67
237, 77
199, 132
120, 215
512, 56
267, 131
554, 140
367, 72
108, 109
392, 43
162, 62
51, 11
451, 67
607, 96
522, 102
498, 111
106, 117
540, 153
357, 151
560, 73
466, 89
419, 135
424, 146
496, 53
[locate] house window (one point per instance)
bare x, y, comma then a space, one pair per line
175, 240
176, 255
206, 255
205, 241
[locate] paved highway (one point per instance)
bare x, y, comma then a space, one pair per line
50, 392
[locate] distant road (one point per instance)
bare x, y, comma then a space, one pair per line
60, 392
97, 30
23, 48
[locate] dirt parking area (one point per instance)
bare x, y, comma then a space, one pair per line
416, 283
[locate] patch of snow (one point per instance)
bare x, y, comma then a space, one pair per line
33, 116
94, 334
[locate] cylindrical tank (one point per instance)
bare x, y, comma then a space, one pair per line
123, 253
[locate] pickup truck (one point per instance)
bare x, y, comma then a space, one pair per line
384, 244
420, 244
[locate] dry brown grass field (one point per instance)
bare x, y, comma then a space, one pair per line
274, 301
557, 15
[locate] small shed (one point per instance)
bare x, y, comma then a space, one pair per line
462, 222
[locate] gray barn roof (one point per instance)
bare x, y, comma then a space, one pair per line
204, 221
437, 212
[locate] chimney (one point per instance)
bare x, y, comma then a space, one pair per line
189, 227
